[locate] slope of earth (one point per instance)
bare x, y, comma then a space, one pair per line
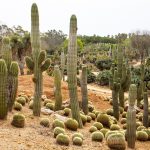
35, 137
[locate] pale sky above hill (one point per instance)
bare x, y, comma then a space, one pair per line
100, 17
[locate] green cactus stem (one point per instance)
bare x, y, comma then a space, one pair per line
57, 89
115, 86
3, 92
38, 63
145, 113
62, 64
72, 70
140, 86
84, 90
131, 117
13, 87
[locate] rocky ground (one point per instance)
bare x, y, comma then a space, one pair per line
35, 137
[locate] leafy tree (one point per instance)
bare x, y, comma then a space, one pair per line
52, 41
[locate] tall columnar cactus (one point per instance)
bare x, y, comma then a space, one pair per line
57, 88
115, 87
84, 90
62, 64
72, 70
13, 87
3, 92
131, 117
140, 86
124, 75
145, 113
38, 63
12, 75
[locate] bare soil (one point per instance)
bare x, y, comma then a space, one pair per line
35, 137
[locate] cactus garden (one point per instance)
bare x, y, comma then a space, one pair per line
69, 91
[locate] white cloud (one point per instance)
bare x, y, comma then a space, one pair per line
99, 17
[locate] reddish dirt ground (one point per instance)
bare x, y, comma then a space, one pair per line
35, 137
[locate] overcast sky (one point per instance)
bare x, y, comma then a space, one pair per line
100, 17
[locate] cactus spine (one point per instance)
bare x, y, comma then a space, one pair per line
131, 117
12, 76
115, 86
62, 64
38, 62
145, 113
84, 90
57, 88
3, 92
72, 70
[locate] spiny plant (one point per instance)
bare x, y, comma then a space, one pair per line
38, 62
131, 117
115, 86
84, 90
123, 74
3, 93
57, 87
145, 113
12, 75
62, 64
72, 70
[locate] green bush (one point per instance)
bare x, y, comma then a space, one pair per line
71, 124
93, 129
104, 119
103, 77
142, 136
104, 64
97, 136
21, 100
18, 120
58, 130
98, 125
90, 76
77, 141
45, 122
17, 106
58, 123
62, 139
